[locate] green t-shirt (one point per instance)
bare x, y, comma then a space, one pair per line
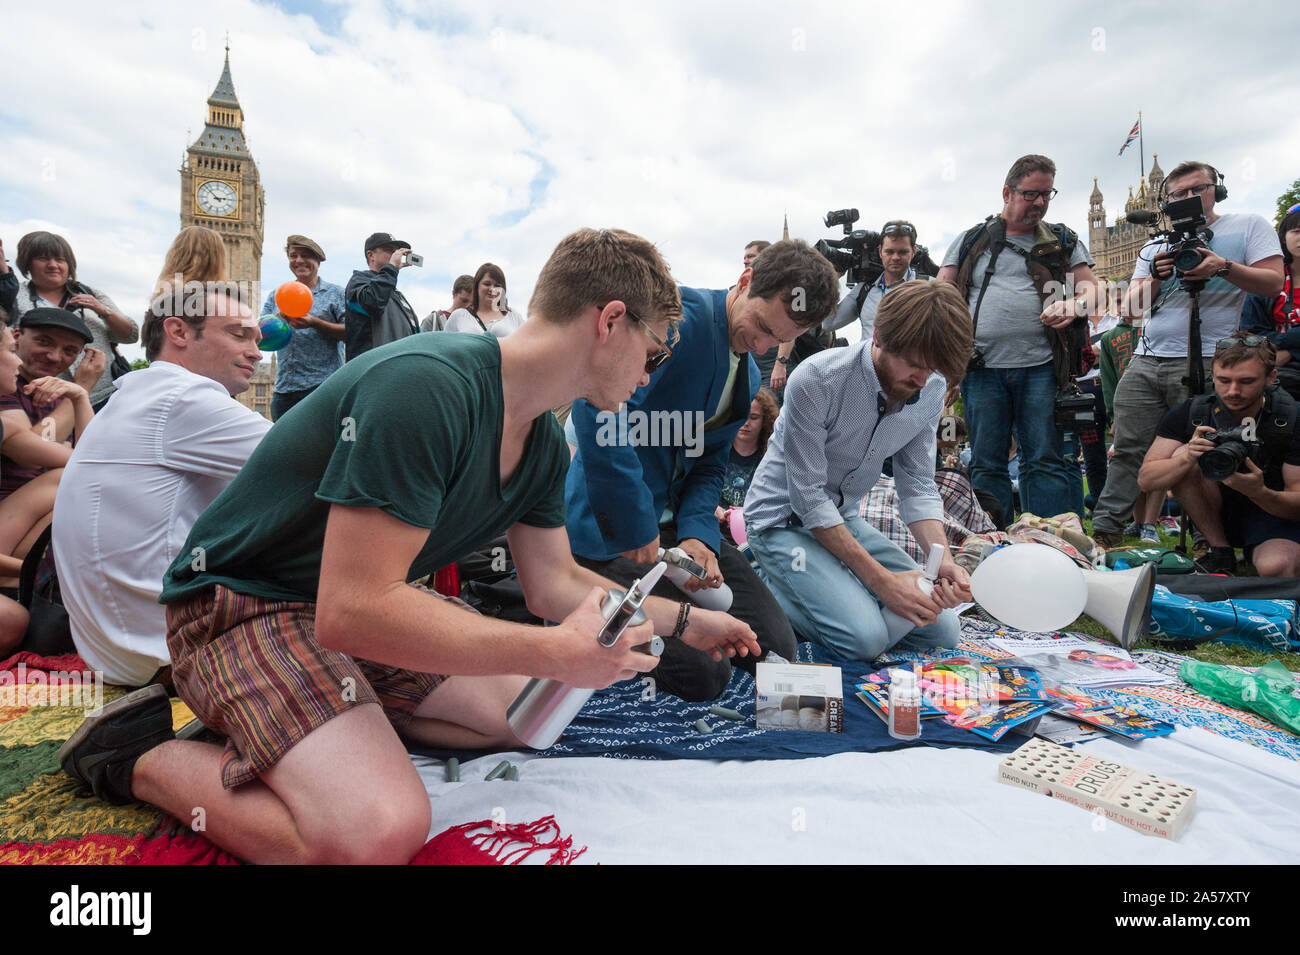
413, 428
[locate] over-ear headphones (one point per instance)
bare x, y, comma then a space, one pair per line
1220, 190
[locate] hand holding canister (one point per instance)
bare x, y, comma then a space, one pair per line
544, 708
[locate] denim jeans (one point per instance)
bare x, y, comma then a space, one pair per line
998, 400
827, 603
1146, 392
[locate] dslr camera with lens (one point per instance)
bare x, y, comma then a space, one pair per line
1230, 453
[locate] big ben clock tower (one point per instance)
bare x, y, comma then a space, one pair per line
220, 186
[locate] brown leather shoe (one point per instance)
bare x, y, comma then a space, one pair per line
1108, 539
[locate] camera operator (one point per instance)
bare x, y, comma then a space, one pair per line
897, 248
1233, 460
1243, 255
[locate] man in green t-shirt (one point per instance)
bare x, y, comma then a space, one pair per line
293, 628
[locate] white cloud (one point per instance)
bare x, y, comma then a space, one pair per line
486, 131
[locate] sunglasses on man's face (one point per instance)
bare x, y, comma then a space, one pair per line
655, 361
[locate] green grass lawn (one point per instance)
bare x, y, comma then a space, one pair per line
1212, 652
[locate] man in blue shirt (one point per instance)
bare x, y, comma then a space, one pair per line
849, 409
651, 475
315, 351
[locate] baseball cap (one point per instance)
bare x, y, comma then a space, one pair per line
306, 243
56, 318
383, 238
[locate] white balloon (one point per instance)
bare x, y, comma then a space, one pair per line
1030, 587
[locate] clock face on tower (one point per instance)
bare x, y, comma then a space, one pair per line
217, 198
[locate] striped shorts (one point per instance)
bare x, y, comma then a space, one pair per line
251, 668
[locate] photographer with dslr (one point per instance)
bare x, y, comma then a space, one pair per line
1239, 254
1232, 458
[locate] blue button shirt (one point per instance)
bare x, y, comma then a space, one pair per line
832, 436
310, 357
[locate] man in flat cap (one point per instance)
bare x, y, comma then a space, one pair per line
46, 410
377, 313
316, 349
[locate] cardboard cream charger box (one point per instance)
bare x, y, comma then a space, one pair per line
799, 696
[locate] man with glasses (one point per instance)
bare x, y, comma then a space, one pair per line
651, 476
1244, 256
1249, 499
897, 249
1012, 269
295, 624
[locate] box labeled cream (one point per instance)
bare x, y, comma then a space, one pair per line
799, 696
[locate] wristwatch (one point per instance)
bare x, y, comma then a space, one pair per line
783, 360
1227, 267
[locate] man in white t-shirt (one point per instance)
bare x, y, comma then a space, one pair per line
148, 465
1244, 256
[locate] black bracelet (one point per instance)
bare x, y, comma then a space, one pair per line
681, 620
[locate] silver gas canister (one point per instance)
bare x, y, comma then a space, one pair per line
544, 709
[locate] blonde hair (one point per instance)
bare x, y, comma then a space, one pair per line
197, 254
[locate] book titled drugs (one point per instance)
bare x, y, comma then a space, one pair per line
799, 696
1130, 797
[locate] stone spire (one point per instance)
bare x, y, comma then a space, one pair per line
785, 227
224, 94
223, 135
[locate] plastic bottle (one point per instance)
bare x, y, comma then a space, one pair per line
897, 626
904, 705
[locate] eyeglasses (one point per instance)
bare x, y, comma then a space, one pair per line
1250, 341
1033, 195
1190, 191
655, 361
902, 227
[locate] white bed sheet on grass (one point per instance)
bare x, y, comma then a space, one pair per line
915, 805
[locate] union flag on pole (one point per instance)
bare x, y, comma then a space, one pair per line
1132, 135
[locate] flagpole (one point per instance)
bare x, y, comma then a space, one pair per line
1142, 157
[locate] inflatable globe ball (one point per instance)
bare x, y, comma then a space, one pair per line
275, 333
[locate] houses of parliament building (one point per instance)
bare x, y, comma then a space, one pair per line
1115, 248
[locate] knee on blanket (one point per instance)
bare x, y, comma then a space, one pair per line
387, 832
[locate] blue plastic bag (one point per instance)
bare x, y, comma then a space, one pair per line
1267, 625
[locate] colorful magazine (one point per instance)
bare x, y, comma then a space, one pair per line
1121, 721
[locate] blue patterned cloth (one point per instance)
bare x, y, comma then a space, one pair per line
1176, 702
618, 722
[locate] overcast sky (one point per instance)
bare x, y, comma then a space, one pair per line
487, 131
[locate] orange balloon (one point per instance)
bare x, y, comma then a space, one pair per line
293, 299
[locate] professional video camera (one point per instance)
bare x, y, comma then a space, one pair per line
1188, 240
857, 255
1231, 451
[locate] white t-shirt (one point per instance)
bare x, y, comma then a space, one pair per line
148, 465
463, 320
1239, 237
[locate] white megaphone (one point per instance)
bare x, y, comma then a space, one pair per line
1035, 587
